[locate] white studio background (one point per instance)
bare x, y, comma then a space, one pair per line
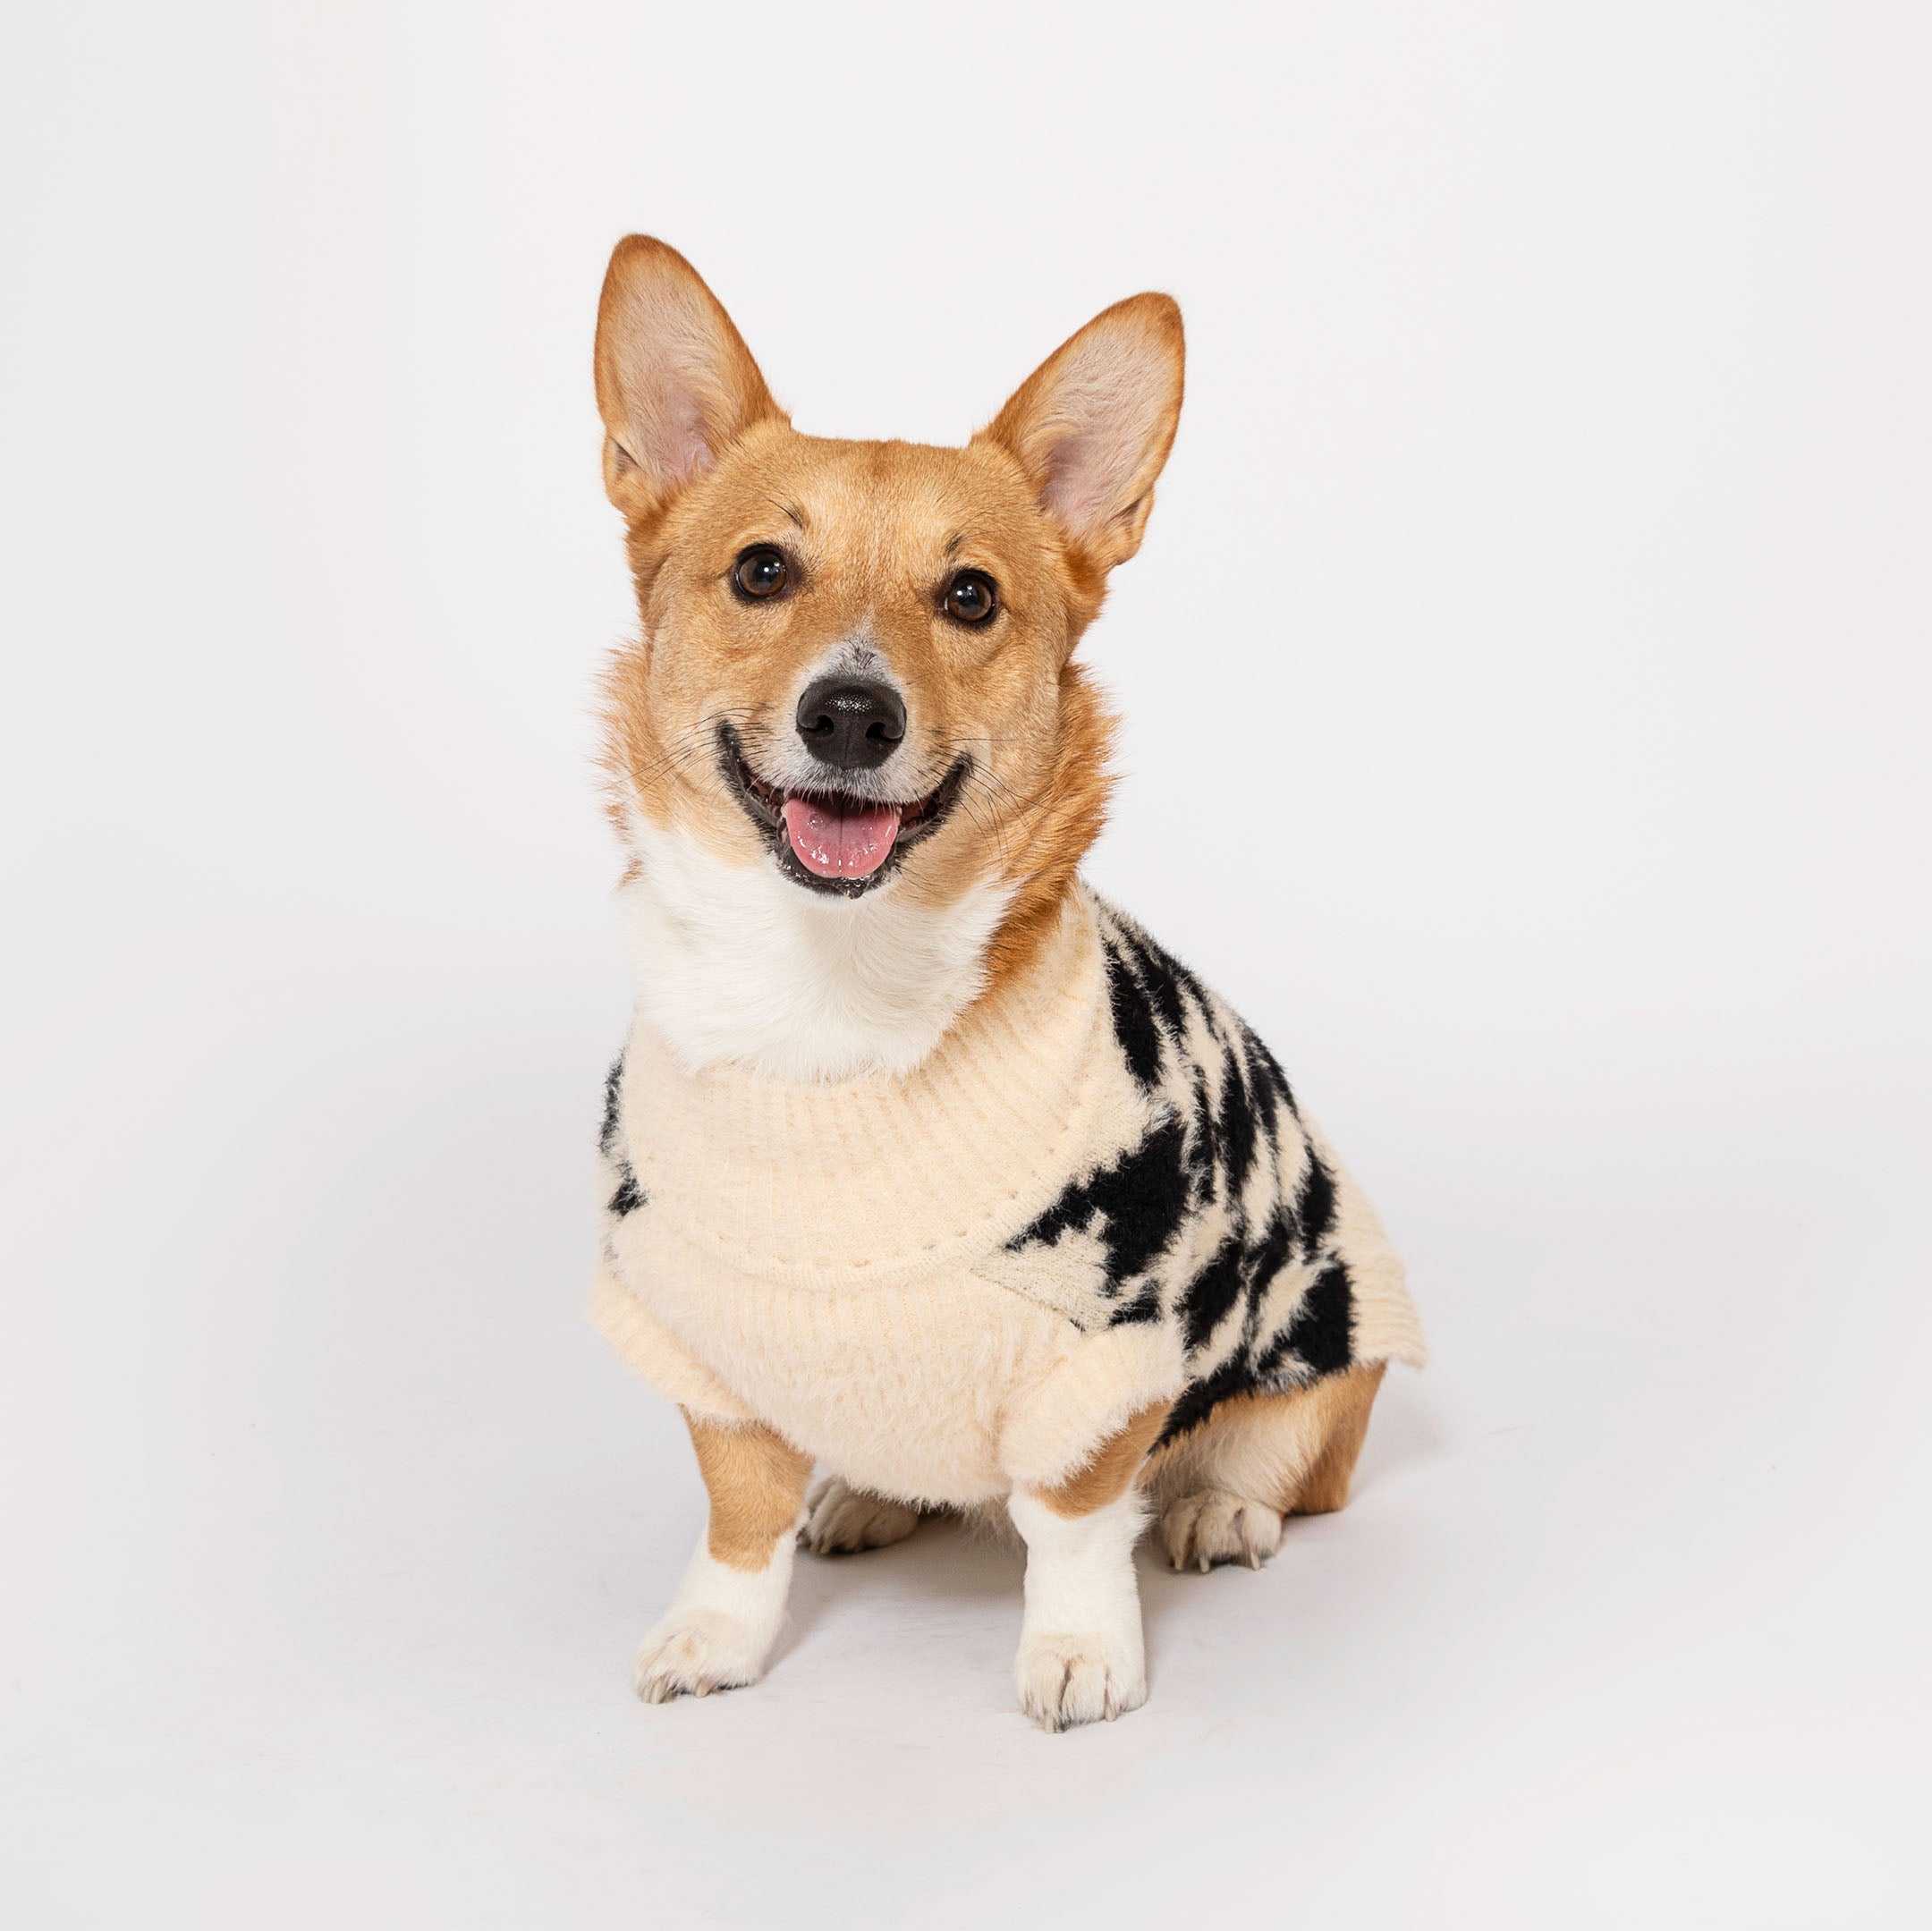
1526, 678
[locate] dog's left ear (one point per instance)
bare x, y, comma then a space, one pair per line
1092, 425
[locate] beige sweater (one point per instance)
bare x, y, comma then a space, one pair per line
1095, 1193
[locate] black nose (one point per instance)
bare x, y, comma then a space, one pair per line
850, 724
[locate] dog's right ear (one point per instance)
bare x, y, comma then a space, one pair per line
676, 384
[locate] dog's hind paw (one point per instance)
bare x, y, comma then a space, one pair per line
840, 1520
1212, 1526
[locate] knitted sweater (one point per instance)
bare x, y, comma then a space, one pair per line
1096, 1192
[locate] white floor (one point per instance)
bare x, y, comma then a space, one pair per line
340, 1527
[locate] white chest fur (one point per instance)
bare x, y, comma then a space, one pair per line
737, 964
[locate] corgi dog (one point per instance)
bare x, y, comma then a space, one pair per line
921, 1162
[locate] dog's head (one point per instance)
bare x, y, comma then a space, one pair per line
855, 659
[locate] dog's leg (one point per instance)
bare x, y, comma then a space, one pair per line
840, 1520
724, 1617
1224, 1490
1082, 1655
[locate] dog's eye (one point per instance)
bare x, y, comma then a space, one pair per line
970, 597
762, 571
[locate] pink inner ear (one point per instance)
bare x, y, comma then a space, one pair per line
1109, 410
686, 452
1070, 492
668, 431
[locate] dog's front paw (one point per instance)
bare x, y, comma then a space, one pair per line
694, 1651
1068, 1679
840, 1520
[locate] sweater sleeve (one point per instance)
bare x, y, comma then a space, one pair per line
1054, 1427
651, 1350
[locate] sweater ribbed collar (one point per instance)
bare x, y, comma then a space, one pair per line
884, 1177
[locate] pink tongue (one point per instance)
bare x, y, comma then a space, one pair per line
840, 841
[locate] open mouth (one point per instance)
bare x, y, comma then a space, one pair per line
830, 840
833, 840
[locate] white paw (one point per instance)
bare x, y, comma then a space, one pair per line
694, 1651
720, 1627
1211, 1527
840, 1520
1068, 1679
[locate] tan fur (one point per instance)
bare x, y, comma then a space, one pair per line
1344, 1417
756, 1480
1109, 1472
704, 464
1293, 1453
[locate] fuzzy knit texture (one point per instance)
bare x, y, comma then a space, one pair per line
1098, 1192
